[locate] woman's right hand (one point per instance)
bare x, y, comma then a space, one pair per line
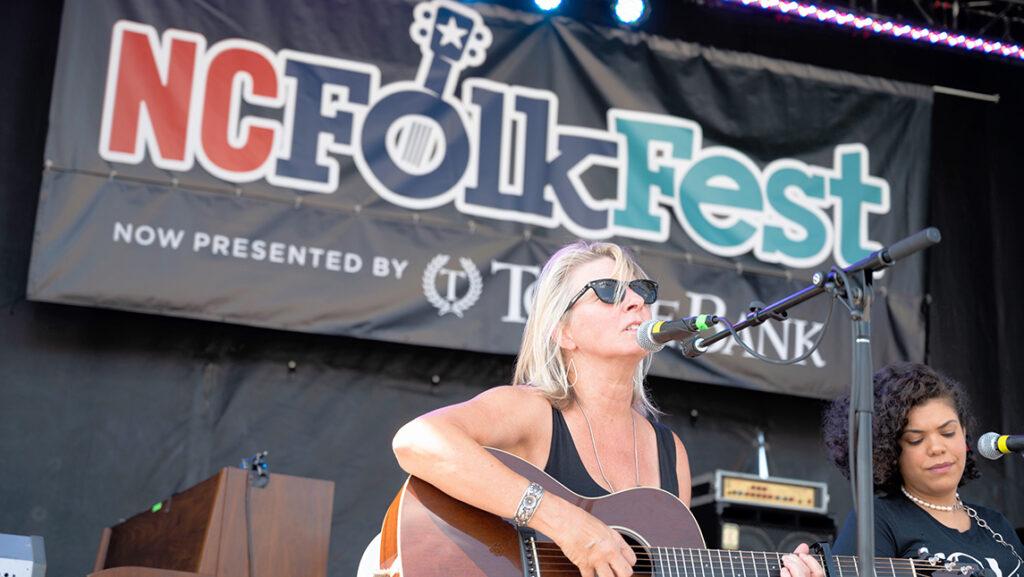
592, 546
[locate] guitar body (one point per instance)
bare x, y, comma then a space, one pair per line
426, 533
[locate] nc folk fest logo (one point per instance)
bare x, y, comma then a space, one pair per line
498, 152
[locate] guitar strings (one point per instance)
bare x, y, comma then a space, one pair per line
683, 568
756, 563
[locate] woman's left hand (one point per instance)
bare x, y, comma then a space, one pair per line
800, 563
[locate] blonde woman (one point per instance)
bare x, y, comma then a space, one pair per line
577, 410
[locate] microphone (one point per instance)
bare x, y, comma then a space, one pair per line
652, 335
994, 445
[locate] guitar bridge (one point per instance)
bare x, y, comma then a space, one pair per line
528, 552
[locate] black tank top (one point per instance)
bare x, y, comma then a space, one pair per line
565, 466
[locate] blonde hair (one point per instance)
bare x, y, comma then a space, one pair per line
541, 362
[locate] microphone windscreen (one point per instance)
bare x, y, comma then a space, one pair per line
643, 337
987, 446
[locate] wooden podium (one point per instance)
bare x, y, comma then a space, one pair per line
202, 531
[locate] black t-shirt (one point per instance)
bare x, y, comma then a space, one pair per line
565, 466
901, 528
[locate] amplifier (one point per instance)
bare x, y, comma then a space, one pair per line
746, 489
749, 513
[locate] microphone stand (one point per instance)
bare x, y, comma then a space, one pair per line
852, 287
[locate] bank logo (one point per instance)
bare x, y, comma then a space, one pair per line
451, 302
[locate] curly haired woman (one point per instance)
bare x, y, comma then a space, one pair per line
921, 456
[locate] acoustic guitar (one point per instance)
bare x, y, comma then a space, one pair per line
426, 533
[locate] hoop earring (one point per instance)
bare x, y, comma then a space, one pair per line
570, 368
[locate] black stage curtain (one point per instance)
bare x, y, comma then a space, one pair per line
105, 413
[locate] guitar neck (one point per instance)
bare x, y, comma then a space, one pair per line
693, 562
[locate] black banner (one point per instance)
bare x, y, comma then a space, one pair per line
400, 171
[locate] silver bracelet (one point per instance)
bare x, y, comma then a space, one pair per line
528, 504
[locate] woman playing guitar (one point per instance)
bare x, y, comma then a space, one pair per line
577, 409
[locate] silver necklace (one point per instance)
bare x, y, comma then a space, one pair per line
997, 536
593, 441
959, 505
954, 507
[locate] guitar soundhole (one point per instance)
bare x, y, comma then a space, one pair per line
644, 565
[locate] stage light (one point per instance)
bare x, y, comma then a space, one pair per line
630, 11
886, 27
547, 5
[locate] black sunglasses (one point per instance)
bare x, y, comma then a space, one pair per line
607, 288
